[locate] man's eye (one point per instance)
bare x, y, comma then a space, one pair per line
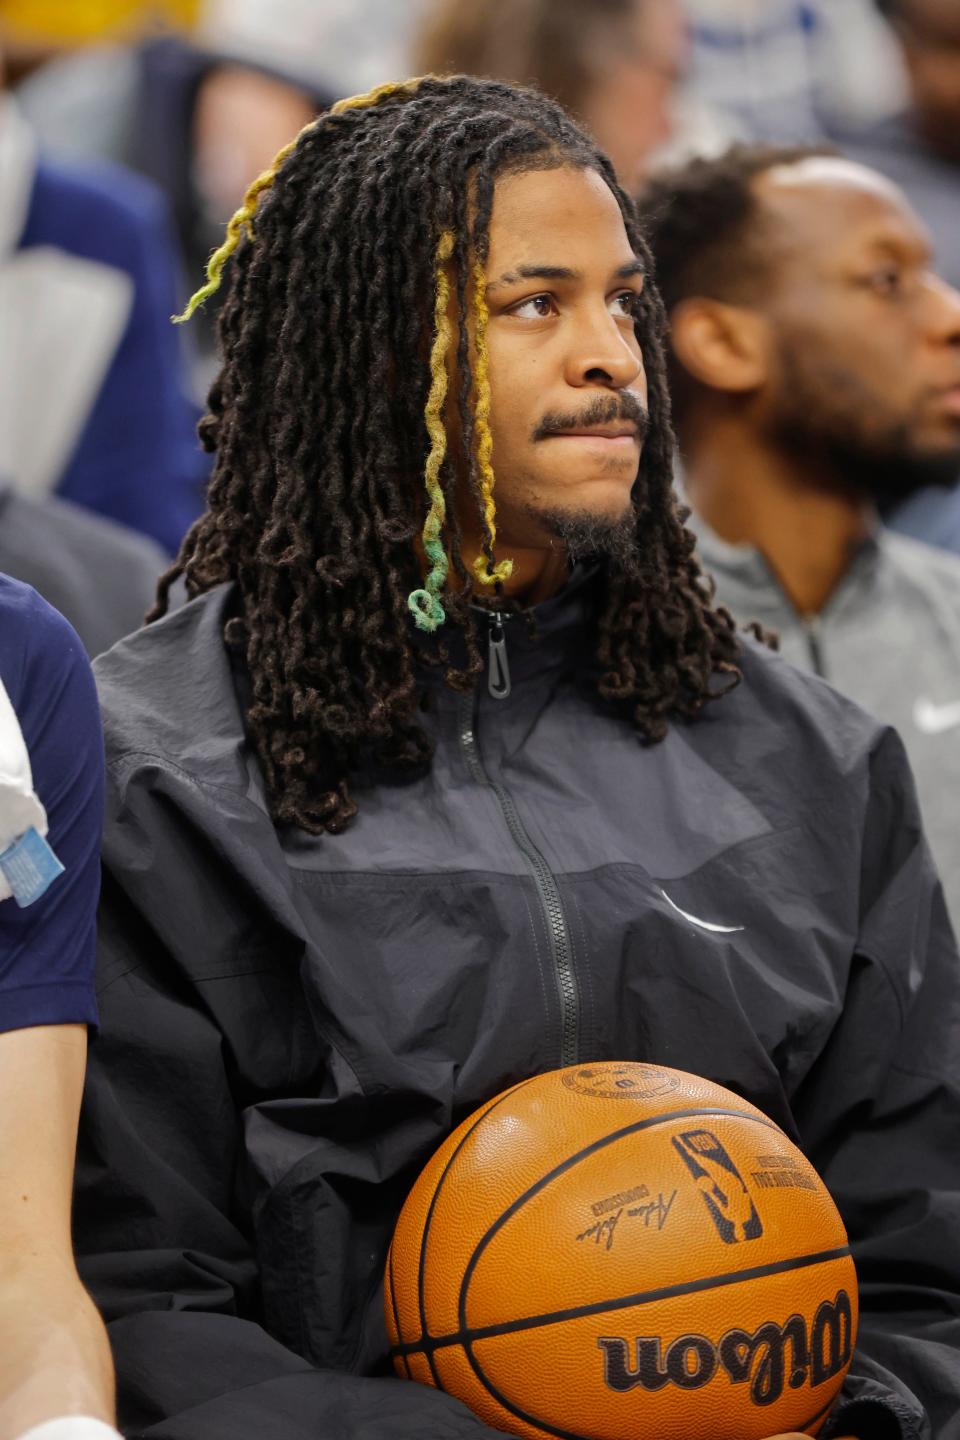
888, 281
627, 303
538, 307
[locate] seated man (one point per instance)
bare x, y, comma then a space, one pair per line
433, 786
55, 1369
816, 376
918, 148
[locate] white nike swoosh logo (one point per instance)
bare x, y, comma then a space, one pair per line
702, 924
934, 719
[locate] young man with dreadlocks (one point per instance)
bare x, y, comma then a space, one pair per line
422, 794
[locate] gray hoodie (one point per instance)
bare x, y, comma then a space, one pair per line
889, 637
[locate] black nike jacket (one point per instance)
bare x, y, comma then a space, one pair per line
290, 1025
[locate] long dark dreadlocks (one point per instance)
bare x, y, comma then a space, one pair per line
317, 418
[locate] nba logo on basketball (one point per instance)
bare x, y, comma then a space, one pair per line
721, 1185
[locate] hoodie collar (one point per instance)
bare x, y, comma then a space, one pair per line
743, 568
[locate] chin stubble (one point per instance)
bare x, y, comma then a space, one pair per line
586, 536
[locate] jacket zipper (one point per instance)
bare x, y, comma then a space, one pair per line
498, 667
547, 890
811, 625
812, 630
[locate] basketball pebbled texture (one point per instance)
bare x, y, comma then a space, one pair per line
619, 1251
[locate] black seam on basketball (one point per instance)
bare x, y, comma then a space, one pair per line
421, 1268
467, 1336
544, 1425
512, 1409
821, 1415
568, 1164
393, 1307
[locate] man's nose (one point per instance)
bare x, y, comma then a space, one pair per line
944, 311
601, 355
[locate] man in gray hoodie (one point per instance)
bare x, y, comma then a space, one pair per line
815, 363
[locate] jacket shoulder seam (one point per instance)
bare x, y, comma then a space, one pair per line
119, 762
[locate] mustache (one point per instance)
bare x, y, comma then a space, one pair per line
601, 410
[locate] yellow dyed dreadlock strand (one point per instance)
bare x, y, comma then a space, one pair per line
239, 221
424, 604
485, 569
378, 93
242, 219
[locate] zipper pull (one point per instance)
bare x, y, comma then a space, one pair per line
498, 669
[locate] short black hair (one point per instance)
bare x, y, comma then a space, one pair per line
703, 223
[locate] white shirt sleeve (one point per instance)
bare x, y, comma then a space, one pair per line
72, 1427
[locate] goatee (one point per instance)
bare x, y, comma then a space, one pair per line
586, 536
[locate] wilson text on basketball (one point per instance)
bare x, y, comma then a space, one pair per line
768, 1359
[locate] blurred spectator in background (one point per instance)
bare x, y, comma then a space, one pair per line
919, 148
783, 71
816, 376
335, 47
101, 576
203, 110
613, 64
93, 405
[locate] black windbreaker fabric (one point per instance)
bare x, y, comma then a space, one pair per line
290, 1026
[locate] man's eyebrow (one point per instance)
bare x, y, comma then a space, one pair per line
897, 246
536, 272
561, 272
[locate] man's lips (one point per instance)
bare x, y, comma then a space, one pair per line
622, 433
948, 399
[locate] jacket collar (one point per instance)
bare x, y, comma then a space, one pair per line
556, 635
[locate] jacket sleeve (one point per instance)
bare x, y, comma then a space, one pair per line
880, 1119
165, 1237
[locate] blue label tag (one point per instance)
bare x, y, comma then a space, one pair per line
29, 867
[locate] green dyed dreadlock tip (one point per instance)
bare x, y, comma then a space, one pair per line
426, 610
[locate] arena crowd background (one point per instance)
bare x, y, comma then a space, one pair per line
149, 120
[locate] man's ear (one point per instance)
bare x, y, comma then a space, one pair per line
724, 347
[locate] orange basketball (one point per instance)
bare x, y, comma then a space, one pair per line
624, 1252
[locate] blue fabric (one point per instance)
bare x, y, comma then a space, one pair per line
730, 33
137, 459
47, 949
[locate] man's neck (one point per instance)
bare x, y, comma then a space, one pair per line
749, 492
537, 572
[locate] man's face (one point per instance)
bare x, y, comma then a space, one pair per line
568, 390
929, 31
864, 337
638, 67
